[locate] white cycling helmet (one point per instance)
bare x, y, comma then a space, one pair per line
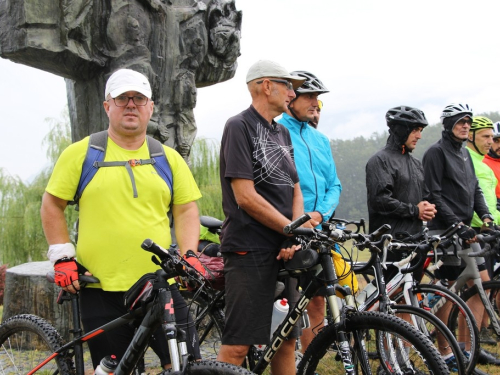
496, 129
456, 109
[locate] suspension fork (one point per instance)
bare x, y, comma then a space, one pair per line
337, 318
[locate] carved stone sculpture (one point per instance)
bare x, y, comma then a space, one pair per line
179, 44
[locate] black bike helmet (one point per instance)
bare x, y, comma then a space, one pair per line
406, 116
401, 122
311, 84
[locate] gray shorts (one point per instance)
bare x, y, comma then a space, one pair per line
453, 265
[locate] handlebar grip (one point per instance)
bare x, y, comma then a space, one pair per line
81, 278
296, 223
157, 250
380, 231
88, 279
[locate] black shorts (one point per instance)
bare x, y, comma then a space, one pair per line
250, 284
99, 307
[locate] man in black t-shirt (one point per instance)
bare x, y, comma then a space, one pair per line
260, 195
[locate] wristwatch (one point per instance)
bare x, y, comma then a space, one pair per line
488, 216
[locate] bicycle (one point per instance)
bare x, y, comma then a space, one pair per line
470, 272
488, 292
401, 277
29, 343
349, 330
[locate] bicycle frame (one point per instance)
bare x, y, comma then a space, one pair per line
471, 272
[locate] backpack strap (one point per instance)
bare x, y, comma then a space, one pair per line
96, 151
161, 164
94, 159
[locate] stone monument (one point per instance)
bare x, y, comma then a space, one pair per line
179, 44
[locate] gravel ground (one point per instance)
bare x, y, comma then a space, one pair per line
153, 363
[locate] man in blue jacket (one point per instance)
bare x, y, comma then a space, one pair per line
317, 174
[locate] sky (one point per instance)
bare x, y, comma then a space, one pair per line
371, 55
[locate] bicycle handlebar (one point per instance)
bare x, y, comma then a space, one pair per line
303, 231
171, 260
296, 223
81, 278
359, 224
487, 250
487, 238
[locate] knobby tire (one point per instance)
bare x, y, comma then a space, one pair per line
25, 341
321, 355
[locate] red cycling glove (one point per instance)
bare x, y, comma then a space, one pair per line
66, 271
193, 260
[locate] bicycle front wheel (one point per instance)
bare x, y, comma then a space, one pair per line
27, 340
455, 313
437, 332
393, 347
490, 342
213, 368
209, 322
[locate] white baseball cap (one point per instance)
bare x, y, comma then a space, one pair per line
267, 68
124, 80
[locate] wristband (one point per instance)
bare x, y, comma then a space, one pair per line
58, 251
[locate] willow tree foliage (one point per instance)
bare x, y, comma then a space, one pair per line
21, 235
205, 167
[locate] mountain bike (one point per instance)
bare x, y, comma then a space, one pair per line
29, 344
377, 293
398, 346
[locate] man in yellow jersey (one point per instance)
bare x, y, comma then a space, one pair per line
120, 207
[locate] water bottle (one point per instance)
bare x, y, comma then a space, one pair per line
107, 366
280, 310
365, 293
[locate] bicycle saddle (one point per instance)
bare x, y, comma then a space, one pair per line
210, 222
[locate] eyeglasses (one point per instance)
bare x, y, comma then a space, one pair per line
463, 122
320, 105
123, 100
289, 85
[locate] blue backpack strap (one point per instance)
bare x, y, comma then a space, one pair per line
161, 164
96, 152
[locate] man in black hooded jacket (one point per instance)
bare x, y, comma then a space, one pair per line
395, 179
454, 189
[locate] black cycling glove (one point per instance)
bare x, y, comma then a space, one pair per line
466, 233
489, 226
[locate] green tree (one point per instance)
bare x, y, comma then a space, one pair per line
21, 235
205, 169
352, 155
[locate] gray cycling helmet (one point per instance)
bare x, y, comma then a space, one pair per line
455, 109
406, 116
311, 84
496, 129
